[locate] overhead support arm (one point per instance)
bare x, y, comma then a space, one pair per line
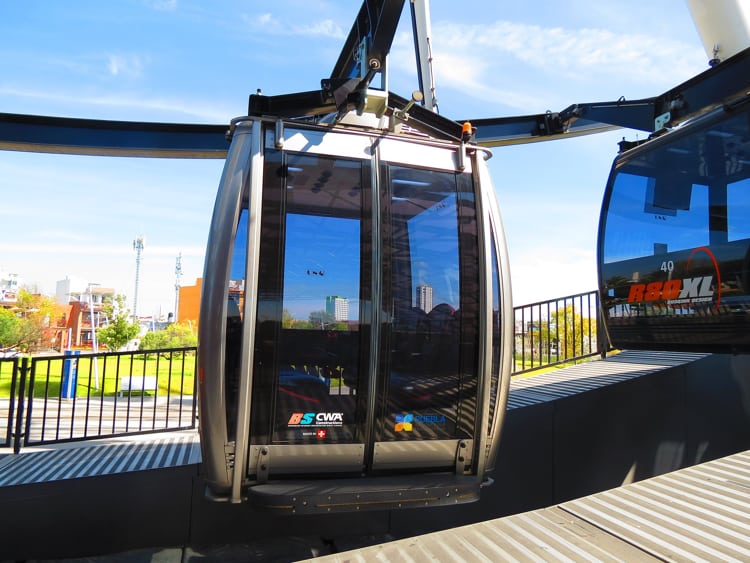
575, 120
63, 135
420, 19
517, 130
722, 84
374, 28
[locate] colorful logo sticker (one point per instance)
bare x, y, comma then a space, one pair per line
404, 422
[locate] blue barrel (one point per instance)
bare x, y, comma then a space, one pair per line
70, 374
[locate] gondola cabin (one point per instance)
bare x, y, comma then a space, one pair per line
356, 321
674, 238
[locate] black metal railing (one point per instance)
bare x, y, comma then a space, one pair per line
558, 331
65, 398
8, 397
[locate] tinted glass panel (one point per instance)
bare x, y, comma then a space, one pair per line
496, 334
431, 295
235, 311
636, 227
310, 284
738, 210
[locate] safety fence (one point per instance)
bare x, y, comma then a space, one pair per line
70, 397
78, 396
559, 331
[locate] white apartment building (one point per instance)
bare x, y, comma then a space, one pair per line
338, 307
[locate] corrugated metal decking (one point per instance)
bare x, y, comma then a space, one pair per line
592, 375
697, 514
86, 460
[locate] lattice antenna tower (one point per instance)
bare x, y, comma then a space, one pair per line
138, 247
177, 280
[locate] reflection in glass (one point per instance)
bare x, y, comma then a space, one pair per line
738, 210
432, 301
636, 226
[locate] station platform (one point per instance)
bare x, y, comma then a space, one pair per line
701, 513
587, 465
96, 458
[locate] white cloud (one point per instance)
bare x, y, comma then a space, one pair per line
575, 51
548, 273
324, 28
98, 250
130, 66
204, 111
162, 5
266, 22
505, 62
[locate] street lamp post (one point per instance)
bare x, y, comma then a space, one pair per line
94, 345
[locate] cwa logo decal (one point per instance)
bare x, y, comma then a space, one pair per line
316, 419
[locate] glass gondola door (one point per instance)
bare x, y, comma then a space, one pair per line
428, 364
365, 356
309, 389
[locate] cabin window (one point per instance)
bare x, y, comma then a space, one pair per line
431, 295
310, 294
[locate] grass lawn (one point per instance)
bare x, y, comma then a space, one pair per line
48, 375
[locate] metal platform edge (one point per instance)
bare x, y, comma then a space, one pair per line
693, 514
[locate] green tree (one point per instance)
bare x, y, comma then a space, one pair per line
177, 335
571, 332
120, 330
322, 320
8, 329
287, 319
33, 313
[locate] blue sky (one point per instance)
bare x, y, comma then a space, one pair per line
190, 61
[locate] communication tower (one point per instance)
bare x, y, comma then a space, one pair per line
177, 279
138, 247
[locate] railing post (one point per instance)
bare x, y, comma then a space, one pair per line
11, 418
602, 343
19, 434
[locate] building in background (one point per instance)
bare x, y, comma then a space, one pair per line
9, 286
423, 297
338, 307
189, 303
86, 310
